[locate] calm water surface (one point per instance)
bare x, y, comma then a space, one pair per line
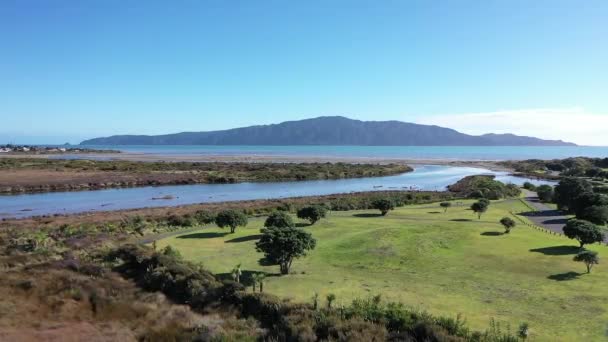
424, 178
399, 152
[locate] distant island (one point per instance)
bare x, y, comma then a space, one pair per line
331, 130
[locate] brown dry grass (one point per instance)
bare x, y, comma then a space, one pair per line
50, 303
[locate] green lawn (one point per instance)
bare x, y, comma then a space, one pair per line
446, 263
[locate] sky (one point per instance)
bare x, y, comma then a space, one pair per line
71, 70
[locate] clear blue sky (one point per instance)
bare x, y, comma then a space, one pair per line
77, 69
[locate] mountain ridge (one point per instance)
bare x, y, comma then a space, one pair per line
330, 130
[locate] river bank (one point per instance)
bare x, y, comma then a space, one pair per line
425, 178
36, 175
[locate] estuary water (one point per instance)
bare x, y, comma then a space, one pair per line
385, 152
425, 177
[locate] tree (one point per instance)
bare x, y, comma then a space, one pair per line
384, 205
479, 208
485, 200
231, 218
545, 193
586, 200
583, 231
508, 223
590, 258
597, 214
567, 190
312, 213
529, 186
204, 217
523, 331
279, 219
282, 245
445, 206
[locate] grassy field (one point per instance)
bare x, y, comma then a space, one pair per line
446, 263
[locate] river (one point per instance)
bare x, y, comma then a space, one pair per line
425, 177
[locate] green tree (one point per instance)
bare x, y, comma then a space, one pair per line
485, 200
279, 219
545, 193
204, 217
384, 205
529, 186
479, 208
445, 206
508, 223
583, 231
597, 214
312, 213
590, 258
282, 245
586, 200
231, 218
567, 190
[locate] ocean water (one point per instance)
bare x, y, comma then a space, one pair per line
429, 177
386, 152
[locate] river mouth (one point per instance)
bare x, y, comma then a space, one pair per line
424, 177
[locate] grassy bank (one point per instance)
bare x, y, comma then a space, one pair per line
446, 263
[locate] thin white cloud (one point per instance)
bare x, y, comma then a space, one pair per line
568, 124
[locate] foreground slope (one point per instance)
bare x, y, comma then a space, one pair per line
334, 130
446, 263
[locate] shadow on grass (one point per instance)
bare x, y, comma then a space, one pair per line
303, 224
557, 250
202, 236
492, 234
246, 276
461, 220
434, 212
245, 238
565, 276
368, 215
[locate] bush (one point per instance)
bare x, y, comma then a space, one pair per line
231, 218
583, 231
590, 258
529, 186
545, 193
204, 217
508, 223
312, 213
597, 214
480, 207
279, 219
282, 245
384, 205
180, 221
445, 205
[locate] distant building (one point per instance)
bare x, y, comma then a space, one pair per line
5, 149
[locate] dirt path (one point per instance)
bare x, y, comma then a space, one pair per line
545, 216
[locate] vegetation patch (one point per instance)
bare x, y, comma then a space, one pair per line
446, 263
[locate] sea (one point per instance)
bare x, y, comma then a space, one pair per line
478, 153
